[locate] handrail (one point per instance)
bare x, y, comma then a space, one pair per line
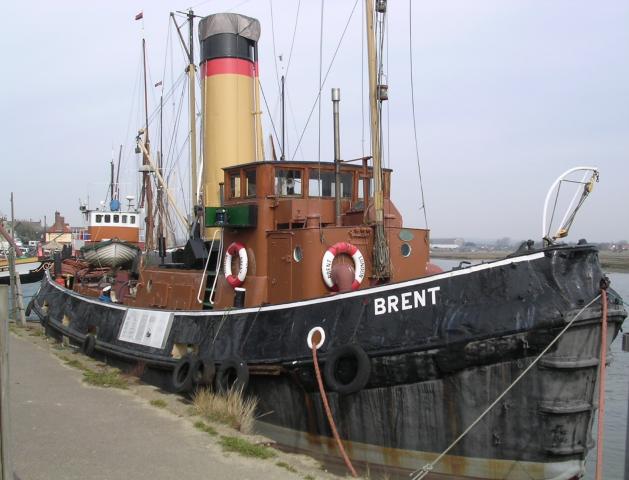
218, 267
546, 229
207, 262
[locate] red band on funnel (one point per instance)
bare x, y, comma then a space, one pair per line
234, 66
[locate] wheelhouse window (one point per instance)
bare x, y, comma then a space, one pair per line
322, 184
234, 185
365, 187
250, 183
131, 218
116, 218
124, 219
99, 218
288, 182
107, 218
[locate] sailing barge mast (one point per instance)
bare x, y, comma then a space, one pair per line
381, 257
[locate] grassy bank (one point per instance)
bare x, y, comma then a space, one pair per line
612, 262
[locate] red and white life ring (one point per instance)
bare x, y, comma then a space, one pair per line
236, 280
328, 258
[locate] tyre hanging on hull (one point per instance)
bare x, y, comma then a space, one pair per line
181, 378
233, 373
203, 371
347, 369
89, 345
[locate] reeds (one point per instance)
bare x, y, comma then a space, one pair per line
231, 408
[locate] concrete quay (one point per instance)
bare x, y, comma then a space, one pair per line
61, 428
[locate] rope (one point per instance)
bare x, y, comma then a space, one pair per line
328, 412
292, 43
426, 469
419, 168
325, 77
601, 387
277, 75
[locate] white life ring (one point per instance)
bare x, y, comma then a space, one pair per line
328, 258
236, 280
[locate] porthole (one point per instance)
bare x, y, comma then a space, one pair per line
298, 254
406, 249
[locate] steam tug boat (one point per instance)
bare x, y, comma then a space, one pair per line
283, 254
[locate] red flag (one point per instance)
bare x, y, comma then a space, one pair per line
139, 16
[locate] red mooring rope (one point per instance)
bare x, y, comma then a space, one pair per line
328, 412
601, 388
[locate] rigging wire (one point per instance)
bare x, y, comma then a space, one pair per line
270, 117
292, 43
277, 75
293, 116
552, 216
419, 168
314, 105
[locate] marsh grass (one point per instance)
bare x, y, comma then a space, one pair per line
106, 378
286, 466
205, 428
73, 362
159, 403
232, 408
246, 448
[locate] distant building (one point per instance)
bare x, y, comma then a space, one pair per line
444, 246
58, 234
446, 243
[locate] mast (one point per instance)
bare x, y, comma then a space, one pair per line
336, 98
146, 178
283, 157
111, 178
118, 172
192, 70
161, 245
381, 263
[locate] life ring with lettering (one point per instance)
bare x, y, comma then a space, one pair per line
347, 369
239, 279
330, 255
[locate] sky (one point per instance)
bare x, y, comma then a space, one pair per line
508, 95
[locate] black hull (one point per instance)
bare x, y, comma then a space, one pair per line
30, 277
440, 349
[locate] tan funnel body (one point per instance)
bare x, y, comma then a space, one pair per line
229, 84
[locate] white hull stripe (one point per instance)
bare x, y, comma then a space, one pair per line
331, 298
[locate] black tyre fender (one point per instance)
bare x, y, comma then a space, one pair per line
333, 377
203, 371
181, 378
233, 373
89, 344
